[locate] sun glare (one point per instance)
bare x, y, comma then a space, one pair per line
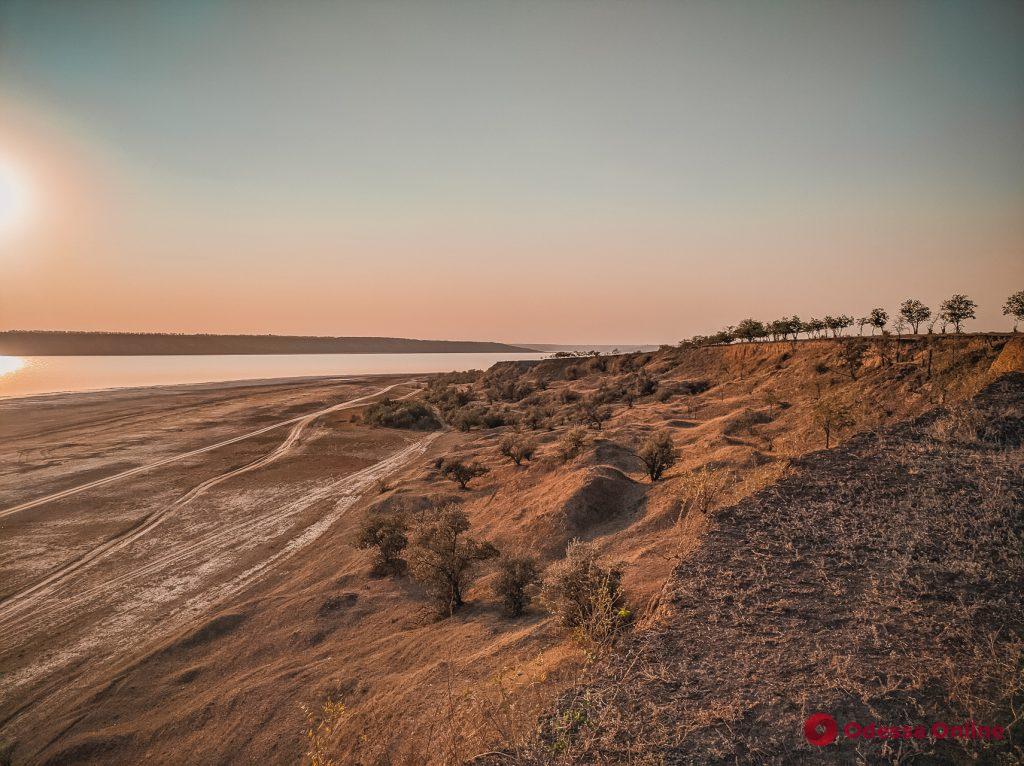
9, 364
15, 197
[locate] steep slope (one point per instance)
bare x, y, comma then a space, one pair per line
879, 582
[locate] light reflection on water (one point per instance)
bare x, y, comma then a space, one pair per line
10, 364
26, 376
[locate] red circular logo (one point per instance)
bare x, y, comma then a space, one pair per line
820, 729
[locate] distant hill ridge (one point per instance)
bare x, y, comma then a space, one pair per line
58, 343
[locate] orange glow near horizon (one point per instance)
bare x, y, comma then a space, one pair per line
272, 172
16, 199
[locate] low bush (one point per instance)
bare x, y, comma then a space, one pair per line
515, 583
585, 596
658, 454
461, 473
386, 533
391, 413
572, 443
517, 448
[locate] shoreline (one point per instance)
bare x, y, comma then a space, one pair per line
199, 386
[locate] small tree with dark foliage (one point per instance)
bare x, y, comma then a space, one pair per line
853, 352
443, 559
956, 310
515, 583
914, 312
658, 454
1014, 307
877, 319
455, 470
386, 533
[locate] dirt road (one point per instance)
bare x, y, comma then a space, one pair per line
199, 525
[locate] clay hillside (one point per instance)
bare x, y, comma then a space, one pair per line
731, 575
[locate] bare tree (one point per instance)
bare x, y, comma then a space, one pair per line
517, 447
830, 416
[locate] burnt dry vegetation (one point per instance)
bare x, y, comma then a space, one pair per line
700, 528
879, 581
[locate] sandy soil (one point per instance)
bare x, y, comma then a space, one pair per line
160, 505
190, 611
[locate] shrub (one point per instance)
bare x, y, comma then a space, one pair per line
853, 352
391, 413
699, 491
664, 394
572, 443
592, 412
830, 416
514, 585
658, 454
643, 384
535, 418
443, 559
517, 447
387, 534
585, 596
495, 418
568, 396
455, 470
693, 387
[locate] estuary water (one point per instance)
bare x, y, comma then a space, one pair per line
32, 375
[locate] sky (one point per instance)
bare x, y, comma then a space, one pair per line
577, 171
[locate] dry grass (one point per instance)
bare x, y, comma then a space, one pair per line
878, 582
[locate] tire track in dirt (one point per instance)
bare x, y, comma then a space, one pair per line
183, 455
128, 634
125, 538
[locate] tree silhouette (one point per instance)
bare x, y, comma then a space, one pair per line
914, 312
877, 319
1014, 307
957, 309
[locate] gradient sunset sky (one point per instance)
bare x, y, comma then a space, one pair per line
583, 171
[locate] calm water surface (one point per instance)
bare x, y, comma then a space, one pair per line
29, 375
